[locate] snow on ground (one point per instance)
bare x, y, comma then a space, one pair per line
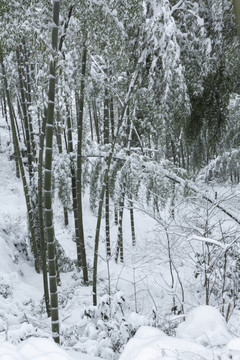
141, 292
149, 343
37, 349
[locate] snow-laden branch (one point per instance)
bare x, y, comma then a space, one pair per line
171, 176
208, 241
191, 186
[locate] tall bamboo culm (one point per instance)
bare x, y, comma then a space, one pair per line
51, 248
80, 107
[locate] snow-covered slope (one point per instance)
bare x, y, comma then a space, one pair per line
141, 292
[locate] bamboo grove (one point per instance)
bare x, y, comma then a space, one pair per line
122, 98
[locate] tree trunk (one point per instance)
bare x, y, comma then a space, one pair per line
132, 221
48, 179
40, 215
106, 142
80, 106
120, 228
96, 120
6, 118
25, 116
28, 96
91, 121
112, 116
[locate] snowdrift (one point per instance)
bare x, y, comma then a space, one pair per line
202, 336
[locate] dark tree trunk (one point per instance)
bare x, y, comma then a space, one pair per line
41, 216
106, 142
80, 107
48, 179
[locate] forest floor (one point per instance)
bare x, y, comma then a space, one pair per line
144, 291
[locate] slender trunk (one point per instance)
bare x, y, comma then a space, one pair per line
132, 222
130, 124
25, 116
106, 142
40, 215
65, 214
59, 131
182, 153
48, 179
21, 118
5, 112
115, 215
80, 106
17, 127
91, 121
112, 116
3, 115
120, 228
107, 221
173, 152
28, 96
17, 165
171, 271
96, 120
19, 139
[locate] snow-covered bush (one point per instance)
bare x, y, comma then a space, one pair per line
105, 329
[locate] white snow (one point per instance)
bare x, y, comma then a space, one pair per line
38, 349
32, 348
233, 349
203, 331
205, 325
152, 344
204, 334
